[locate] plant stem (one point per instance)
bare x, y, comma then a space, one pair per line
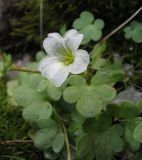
122, 25
67, 142
16, 141
41, 22
65, 135
23, 70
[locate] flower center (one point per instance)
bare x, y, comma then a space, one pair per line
68, 59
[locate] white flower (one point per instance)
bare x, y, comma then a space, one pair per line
63, 56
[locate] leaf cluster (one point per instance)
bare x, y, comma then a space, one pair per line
134, 31
90, 28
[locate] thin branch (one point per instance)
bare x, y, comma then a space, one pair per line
41, 22
15, 141
122, 25
65, 135
23, 70
67, 142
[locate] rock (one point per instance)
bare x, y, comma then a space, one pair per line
129, 93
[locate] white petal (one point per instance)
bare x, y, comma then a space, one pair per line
81, 62
54, 44
45, 61
60, 76
73, 39
54, 70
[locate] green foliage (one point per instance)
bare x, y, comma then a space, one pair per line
137, 134
134, 31
81, 111
44, 137
92, 30
42, 105
100, 139
96, 55
25, 95
37, 110
128, 133
108, 74
5, 62
90, 99
3, 94
13, 127
35, 94
58, 142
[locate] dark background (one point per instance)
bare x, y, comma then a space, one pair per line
19, 21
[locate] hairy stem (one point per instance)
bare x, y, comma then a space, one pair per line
18, 69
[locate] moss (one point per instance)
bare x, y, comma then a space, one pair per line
13, 127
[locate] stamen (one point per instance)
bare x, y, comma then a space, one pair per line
68, 58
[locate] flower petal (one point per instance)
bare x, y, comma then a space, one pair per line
60, 76
81, 62
45, 61
73, 39
54, 70
54, 44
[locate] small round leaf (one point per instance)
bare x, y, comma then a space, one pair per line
71, 94
58, 142
137, 134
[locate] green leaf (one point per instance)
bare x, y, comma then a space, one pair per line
85, 148
76, 124
139, 103
134, 31
93, 126
58, 142
23, 78
109, 143
89, 104
37, 110
128, 110
108, 74
44, 137
91, 29
105, 138
46, 123
63, 29
71, 94
99, 78
128, 134
34, 80
50, 155
42, 86
99, 23
137, 134
25, 95
85, 18
98, 49
54, 92
106, 92
76, 80
97, 64
46, 111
